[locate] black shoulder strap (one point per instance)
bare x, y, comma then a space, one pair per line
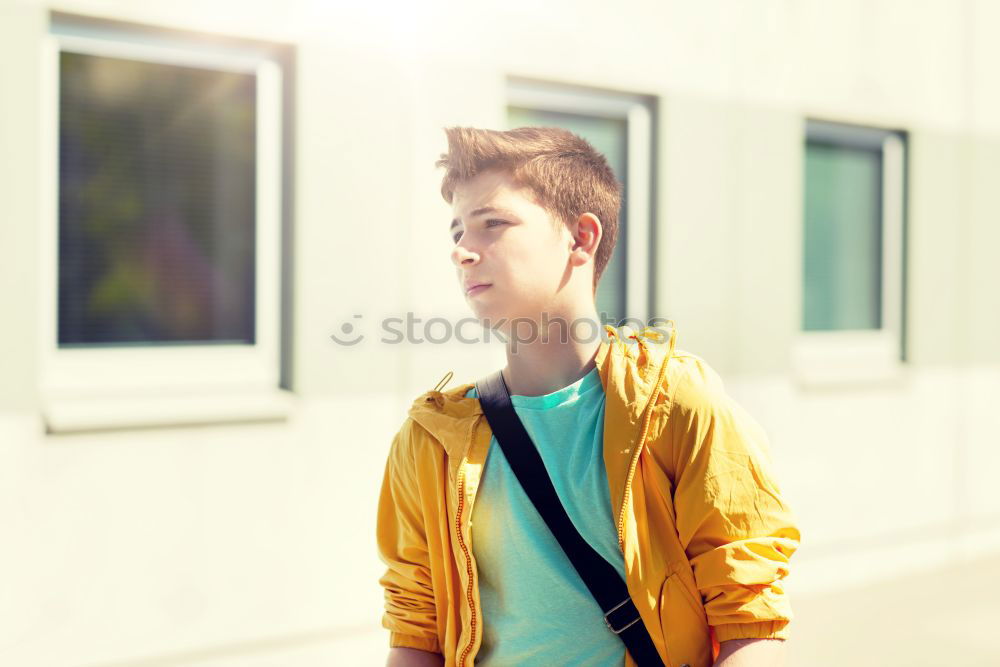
601, 578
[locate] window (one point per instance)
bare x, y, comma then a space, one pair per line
162, 248
621, 126
852, 296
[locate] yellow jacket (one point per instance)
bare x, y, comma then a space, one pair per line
705, 532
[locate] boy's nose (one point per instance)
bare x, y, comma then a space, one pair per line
462, 255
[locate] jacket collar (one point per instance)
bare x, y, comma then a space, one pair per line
628, 372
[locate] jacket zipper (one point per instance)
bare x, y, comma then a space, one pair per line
647, 413
468, 558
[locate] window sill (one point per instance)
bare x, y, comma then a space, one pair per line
847, 359
115, 412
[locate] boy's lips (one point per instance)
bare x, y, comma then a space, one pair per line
475, 288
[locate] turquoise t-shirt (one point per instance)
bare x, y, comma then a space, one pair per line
536, 608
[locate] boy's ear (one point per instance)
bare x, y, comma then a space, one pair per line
587, 233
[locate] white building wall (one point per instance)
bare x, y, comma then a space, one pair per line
253, 544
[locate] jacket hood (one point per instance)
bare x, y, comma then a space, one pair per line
630, 373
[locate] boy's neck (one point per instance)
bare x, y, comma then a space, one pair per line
538, 367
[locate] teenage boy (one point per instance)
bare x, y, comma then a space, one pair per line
662, 473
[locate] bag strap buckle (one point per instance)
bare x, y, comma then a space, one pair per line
629, 624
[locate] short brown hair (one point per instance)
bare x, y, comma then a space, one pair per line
566, 174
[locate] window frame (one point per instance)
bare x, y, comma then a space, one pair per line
638, 112
166, 371
862, 355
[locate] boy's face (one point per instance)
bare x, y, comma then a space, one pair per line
506, 241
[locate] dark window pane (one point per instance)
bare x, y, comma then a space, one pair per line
156, 203
610, 137
843, 238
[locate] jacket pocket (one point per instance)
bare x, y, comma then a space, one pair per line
684, 626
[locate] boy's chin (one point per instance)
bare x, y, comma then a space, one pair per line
483, 311
490, 319
497, 313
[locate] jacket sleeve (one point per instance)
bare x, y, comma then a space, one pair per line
410, 613
735, 527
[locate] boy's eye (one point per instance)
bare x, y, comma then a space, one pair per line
489, 222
